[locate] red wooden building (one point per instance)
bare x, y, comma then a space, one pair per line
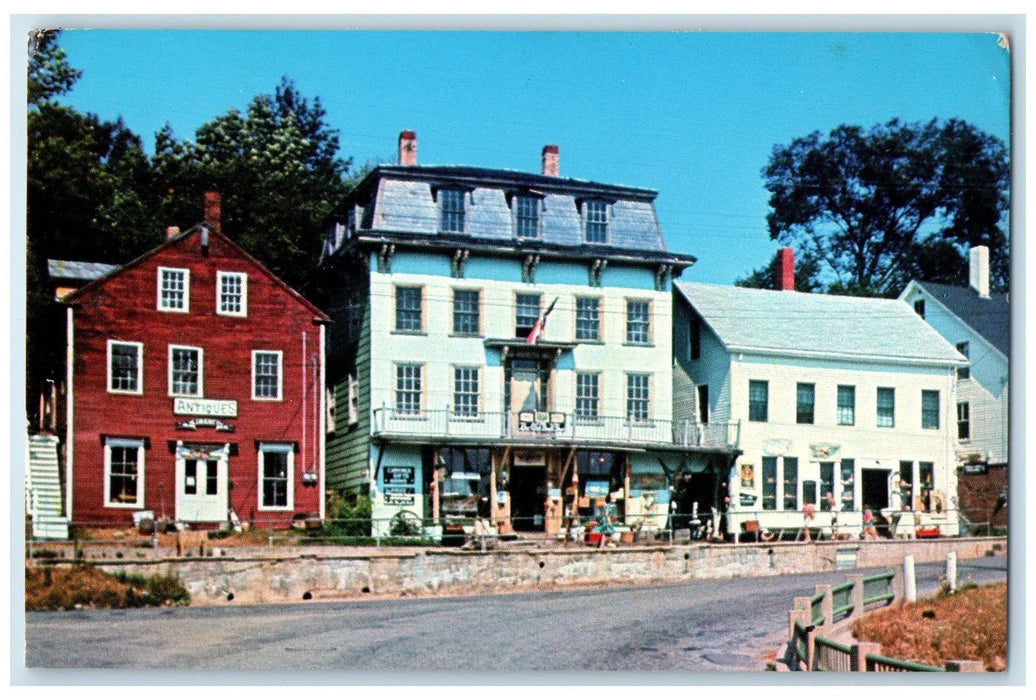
194, 390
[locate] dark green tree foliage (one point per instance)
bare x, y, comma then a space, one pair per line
878, 208
87, 184
278, 173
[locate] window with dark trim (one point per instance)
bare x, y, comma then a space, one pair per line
804, 401
452, 210
846, 405
886, 407
758, 400
769, 483
791, 483
526, 313
963, 421
466, 312
408, 310
595, 217
526, 216
588, 318
930, 409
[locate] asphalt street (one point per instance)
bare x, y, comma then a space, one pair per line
701, 626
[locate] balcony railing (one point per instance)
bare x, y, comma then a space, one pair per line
552, 426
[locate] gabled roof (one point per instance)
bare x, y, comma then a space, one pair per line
196, 230
989, 317
818, 325
77, 270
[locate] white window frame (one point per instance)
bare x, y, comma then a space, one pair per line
464, 378
409, 384
186, 308
583, 399
280, 374
601, 207
140, 368
201, 371
243, 277
638, 324
282, 448
123, 442
632, 395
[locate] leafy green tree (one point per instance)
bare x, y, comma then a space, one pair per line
278, 172
49, 71
877, 208
87, 191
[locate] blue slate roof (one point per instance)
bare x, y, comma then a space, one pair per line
403, 199
818, 325
990, 317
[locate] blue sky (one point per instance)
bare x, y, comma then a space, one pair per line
693, 115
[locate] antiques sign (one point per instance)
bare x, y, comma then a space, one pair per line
399, 486
218, 408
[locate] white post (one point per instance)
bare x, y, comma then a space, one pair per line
909, 582
951, 571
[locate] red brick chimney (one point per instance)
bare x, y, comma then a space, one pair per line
212, 209
786, 269
407, 148
550, 161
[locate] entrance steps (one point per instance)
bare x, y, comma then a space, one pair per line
43, 496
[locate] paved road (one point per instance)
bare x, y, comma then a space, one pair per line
702, 626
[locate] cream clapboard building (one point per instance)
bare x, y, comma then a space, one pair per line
843, 395
502, 347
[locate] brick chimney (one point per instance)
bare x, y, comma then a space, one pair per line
550, 161
978, 270
407, 148
212, 209
172, 232
786, 269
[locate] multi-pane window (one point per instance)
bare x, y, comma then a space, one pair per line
452, 203
466, 312
965, 350
886, 413
124, 367
758, 400
769, 483
527, 216
637, 397
124, 466
232, 298
846, 405
930, 409
465, 391
596, 218
588, 318
588, 396
963, 421
173, 284
791, 483
804, 399
408, 389
408, 309
266, 374
638, 321
526, 313
185, 371
275, 476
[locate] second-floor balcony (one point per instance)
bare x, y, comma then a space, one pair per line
544, 427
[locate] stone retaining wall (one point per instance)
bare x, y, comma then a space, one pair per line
282, 574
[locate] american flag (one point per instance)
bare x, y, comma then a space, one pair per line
541, 323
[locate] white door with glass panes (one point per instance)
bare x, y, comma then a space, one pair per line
202, 485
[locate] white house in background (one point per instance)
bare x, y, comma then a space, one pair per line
847, 395
976, 322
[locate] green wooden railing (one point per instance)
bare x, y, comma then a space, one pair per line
885, 664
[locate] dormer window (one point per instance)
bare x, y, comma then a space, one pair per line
595, 220
526, 216
451, 202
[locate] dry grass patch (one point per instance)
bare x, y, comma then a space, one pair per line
968, 624
83, 586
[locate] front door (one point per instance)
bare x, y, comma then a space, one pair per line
201, 485
528, 497
527, 386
